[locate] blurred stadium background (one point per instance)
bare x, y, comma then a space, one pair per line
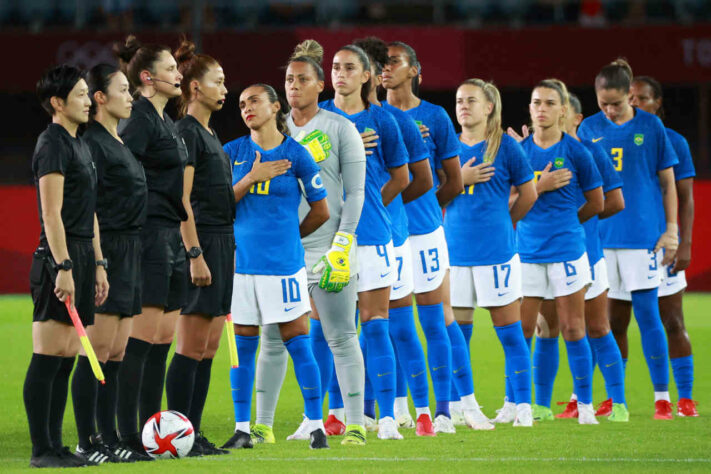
513, 42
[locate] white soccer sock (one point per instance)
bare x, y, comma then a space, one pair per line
661, 396
242, 426
401, 407
313, 425
573, 397
469, 402
455, 406
339, 413
423, 411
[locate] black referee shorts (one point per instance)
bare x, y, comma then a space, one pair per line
219, 252
42, 277
163, 268
123, 252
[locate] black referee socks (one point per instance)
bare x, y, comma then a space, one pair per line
106, 402
84, 400
37, 393
152, 383
59, 401
180, 383
130, 375
202, 384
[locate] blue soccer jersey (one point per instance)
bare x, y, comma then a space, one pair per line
551, 231
423, 213
610, 180
639, 149
374, 227
477, 223
267, 217
685, 168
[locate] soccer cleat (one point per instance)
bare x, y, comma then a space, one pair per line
686, 407
443, 424
387, 429
72, 459
208, 448
127, 450
355, 435
619, 413
571, 409
334, 426
94, 455
604, 408
318, 440
196, 450
302, 432
524, 416
370, 424
457, 416
404, 420
239, 440
262, 434
51, 459
505, 414
586, 414
476, 420
541, 413
663, 410
425, 426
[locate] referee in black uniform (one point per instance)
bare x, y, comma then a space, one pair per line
121, 211
64, 264
153, 138
208, 234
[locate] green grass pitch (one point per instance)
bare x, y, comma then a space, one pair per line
562, 445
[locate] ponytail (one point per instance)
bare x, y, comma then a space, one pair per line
616, 75
283, 111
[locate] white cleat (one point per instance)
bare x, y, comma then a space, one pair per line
505, 414
458, 418
370, 424
387, 429
586, 414
302, 432
404, 420
524, 417
475, 419
443, 424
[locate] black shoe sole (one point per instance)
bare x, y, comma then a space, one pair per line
318, 440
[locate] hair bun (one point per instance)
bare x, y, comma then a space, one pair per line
309, 48
128, 49
185, 52
624, 64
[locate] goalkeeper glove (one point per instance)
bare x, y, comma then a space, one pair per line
335, 265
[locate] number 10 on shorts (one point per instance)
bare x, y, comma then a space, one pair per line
290, 292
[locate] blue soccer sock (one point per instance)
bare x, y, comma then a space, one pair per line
368, 392
439, 349
242, 377
335, 400
624, 364
545, 369
610, 360
529, 343
381, 364
580, 357
322, 354
467, 330
307, 375
400, 378
412, 363
518, 362
510, 393
594, 354
683, 369
461, 364
654, 340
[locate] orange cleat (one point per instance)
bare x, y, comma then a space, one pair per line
571, 409
424, 426
334, 426
663, 410
686, 407
605, 408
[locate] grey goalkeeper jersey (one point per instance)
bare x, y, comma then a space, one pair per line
336, 146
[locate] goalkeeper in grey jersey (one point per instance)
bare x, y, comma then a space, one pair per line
337, 147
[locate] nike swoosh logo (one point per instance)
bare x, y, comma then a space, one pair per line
670, 283
289, 309
457, 370
353, 394
503, 294
383, 375
437, 368
580, 378
383, 275
261, 391
650, 277
656, 357
417, 374
395, 288
610, 365
240, 162
431, 278
309, 388
570, 283
520, 371
595, 140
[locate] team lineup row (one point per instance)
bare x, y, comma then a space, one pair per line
329, 212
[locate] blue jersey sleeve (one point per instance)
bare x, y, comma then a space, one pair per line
519, 167
447, 143
584, 132
416, 147
307, 171
588, 175
666, 154
610, 178
394, 151
685, 168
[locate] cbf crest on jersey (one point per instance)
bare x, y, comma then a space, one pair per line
317, 143
559, 162
638, 139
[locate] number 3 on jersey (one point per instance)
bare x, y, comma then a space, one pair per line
617, 158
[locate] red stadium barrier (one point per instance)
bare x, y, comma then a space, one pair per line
20, 233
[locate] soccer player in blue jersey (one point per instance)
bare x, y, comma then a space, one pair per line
487, 272
350, 76
634, 238
269, 168
602, 342
447, 353
554, 258
646, 94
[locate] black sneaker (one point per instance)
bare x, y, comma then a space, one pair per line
94, 455
208, 448
124, 454
134, 447
196, 450
318, 440
72, 459
238, 440
50, 459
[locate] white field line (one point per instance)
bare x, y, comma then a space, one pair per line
472, 459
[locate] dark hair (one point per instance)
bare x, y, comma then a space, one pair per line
365, 62
575, 103
377, 51
412, 61
616, 75
558, 86
657, 92
98, 79
310, 52
135, 57
57, 81
193, 67
283, 111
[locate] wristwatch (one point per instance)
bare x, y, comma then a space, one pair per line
64, 265
194, 252
103, 263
